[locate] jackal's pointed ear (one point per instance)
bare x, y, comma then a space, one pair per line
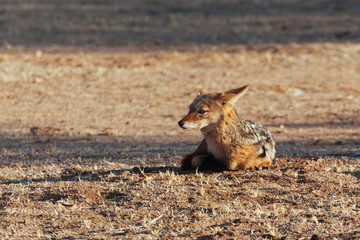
202, 91
231, 96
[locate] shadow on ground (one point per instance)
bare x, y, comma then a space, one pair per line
136, 157
122, 149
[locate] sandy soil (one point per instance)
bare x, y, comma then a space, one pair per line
91, 93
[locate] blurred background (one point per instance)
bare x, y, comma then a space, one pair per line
112, 23
127, 70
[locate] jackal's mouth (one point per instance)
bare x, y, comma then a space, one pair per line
185, 125
188, 125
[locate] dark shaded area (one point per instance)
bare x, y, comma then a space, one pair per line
355, 174
115, 196
53, 197
111, 23
34, 150
148, 157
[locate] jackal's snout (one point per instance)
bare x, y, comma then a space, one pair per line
181, 123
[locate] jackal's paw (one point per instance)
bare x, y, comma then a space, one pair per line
197, 161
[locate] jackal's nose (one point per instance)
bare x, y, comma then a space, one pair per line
181, 123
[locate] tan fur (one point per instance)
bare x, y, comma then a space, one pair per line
229, 142
192, 117
202, 91
219, 143
246, 157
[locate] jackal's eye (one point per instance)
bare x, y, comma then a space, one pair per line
202, 111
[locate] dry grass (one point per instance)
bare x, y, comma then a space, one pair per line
89, 142
294, 199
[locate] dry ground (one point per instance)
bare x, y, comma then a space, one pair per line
91, 92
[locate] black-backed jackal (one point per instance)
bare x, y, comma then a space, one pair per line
230, 143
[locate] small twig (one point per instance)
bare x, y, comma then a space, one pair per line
351, 231
152, 221
142, 171
122, 230
144, 176
140, 180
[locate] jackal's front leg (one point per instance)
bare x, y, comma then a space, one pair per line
195, 159
201, 159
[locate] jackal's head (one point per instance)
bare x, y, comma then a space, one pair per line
209, 109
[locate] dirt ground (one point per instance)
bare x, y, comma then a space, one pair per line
91, 93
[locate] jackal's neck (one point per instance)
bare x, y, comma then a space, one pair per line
229, 125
